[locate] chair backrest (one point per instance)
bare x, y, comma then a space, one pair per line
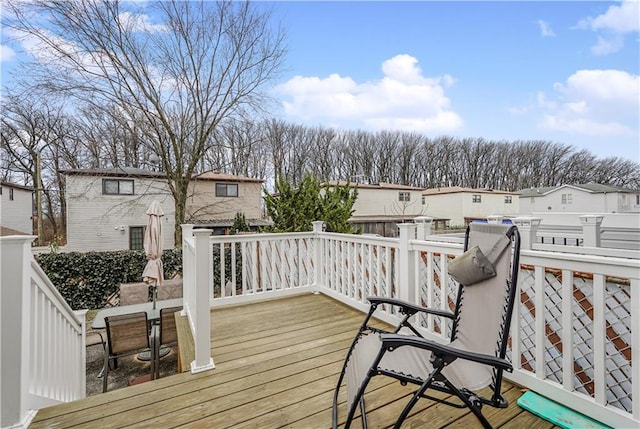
127, 332
168, 332
483, 313
134, 293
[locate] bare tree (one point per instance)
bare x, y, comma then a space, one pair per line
174, 69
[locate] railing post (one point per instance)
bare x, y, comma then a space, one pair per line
591, 229
424, 224
188, 280
318, 227
15, 264
406, 272
201, 312
528, 227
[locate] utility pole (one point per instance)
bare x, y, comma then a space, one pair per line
38, 185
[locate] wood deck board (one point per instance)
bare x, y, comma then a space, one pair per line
277, 363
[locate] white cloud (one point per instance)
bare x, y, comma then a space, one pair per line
140, 23
545, 29
404, 99
6, 53
617, 21
594, 102
607, 45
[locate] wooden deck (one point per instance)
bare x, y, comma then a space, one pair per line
277, 363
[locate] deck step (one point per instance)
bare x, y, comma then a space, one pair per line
186, 346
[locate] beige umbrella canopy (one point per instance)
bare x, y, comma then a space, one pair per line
153, 271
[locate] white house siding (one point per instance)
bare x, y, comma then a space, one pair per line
457, 206
101, 222
385, 202
582, 201
203, 204
16, 213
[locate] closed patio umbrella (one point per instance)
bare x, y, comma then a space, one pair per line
153, 271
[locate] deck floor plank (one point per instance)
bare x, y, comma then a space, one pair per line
277, 363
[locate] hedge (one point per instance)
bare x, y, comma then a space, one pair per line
86, 280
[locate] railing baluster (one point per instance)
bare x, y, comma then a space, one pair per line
599, 329
567, 331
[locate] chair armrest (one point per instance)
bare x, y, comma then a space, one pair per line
409, 308
391, 341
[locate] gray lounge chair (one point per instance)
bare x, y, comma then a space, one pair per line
474, 358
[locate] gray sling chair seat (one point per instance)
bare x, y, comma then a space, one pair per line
127, 334
474, 358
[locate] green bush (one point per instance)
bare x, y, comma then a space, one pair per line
86, 280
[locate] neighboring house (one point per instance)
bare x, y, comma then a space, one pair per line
16, 207
462, 205
216, 198
106, 208
586, 198
381, 206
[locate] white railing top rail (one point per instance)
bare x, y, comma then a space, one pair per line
240, 238
596, 251
360, 239
595, 264
54, 296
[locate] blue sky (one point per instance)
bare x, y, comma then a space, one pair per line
567, 72
562, 71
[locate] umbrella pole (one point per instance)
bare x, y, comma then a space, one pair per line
154, 290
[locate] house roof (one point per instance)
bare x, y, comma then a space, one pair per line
139, 172
459, 189
223, 177
381, 185
16, 186
117, 172
592, 188
4, 231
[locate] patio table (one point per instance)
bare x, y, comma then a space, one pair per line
152, 314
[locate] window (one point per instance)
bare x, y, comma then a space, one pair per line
117, 187
508, 199
136, 238
226, 189
0, 190
404, 196
476, 198
566, 198
11, 194
424, 200
637, 198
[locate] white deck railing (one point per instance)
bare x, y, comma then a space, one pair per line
42, 340
572, 337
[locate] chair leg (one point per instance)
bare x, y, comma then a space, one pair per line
416, 396
363, 413
105, 372
474, 406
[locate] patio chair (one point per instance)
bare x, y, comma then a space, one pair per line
474, 357
127, 334
167, 334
